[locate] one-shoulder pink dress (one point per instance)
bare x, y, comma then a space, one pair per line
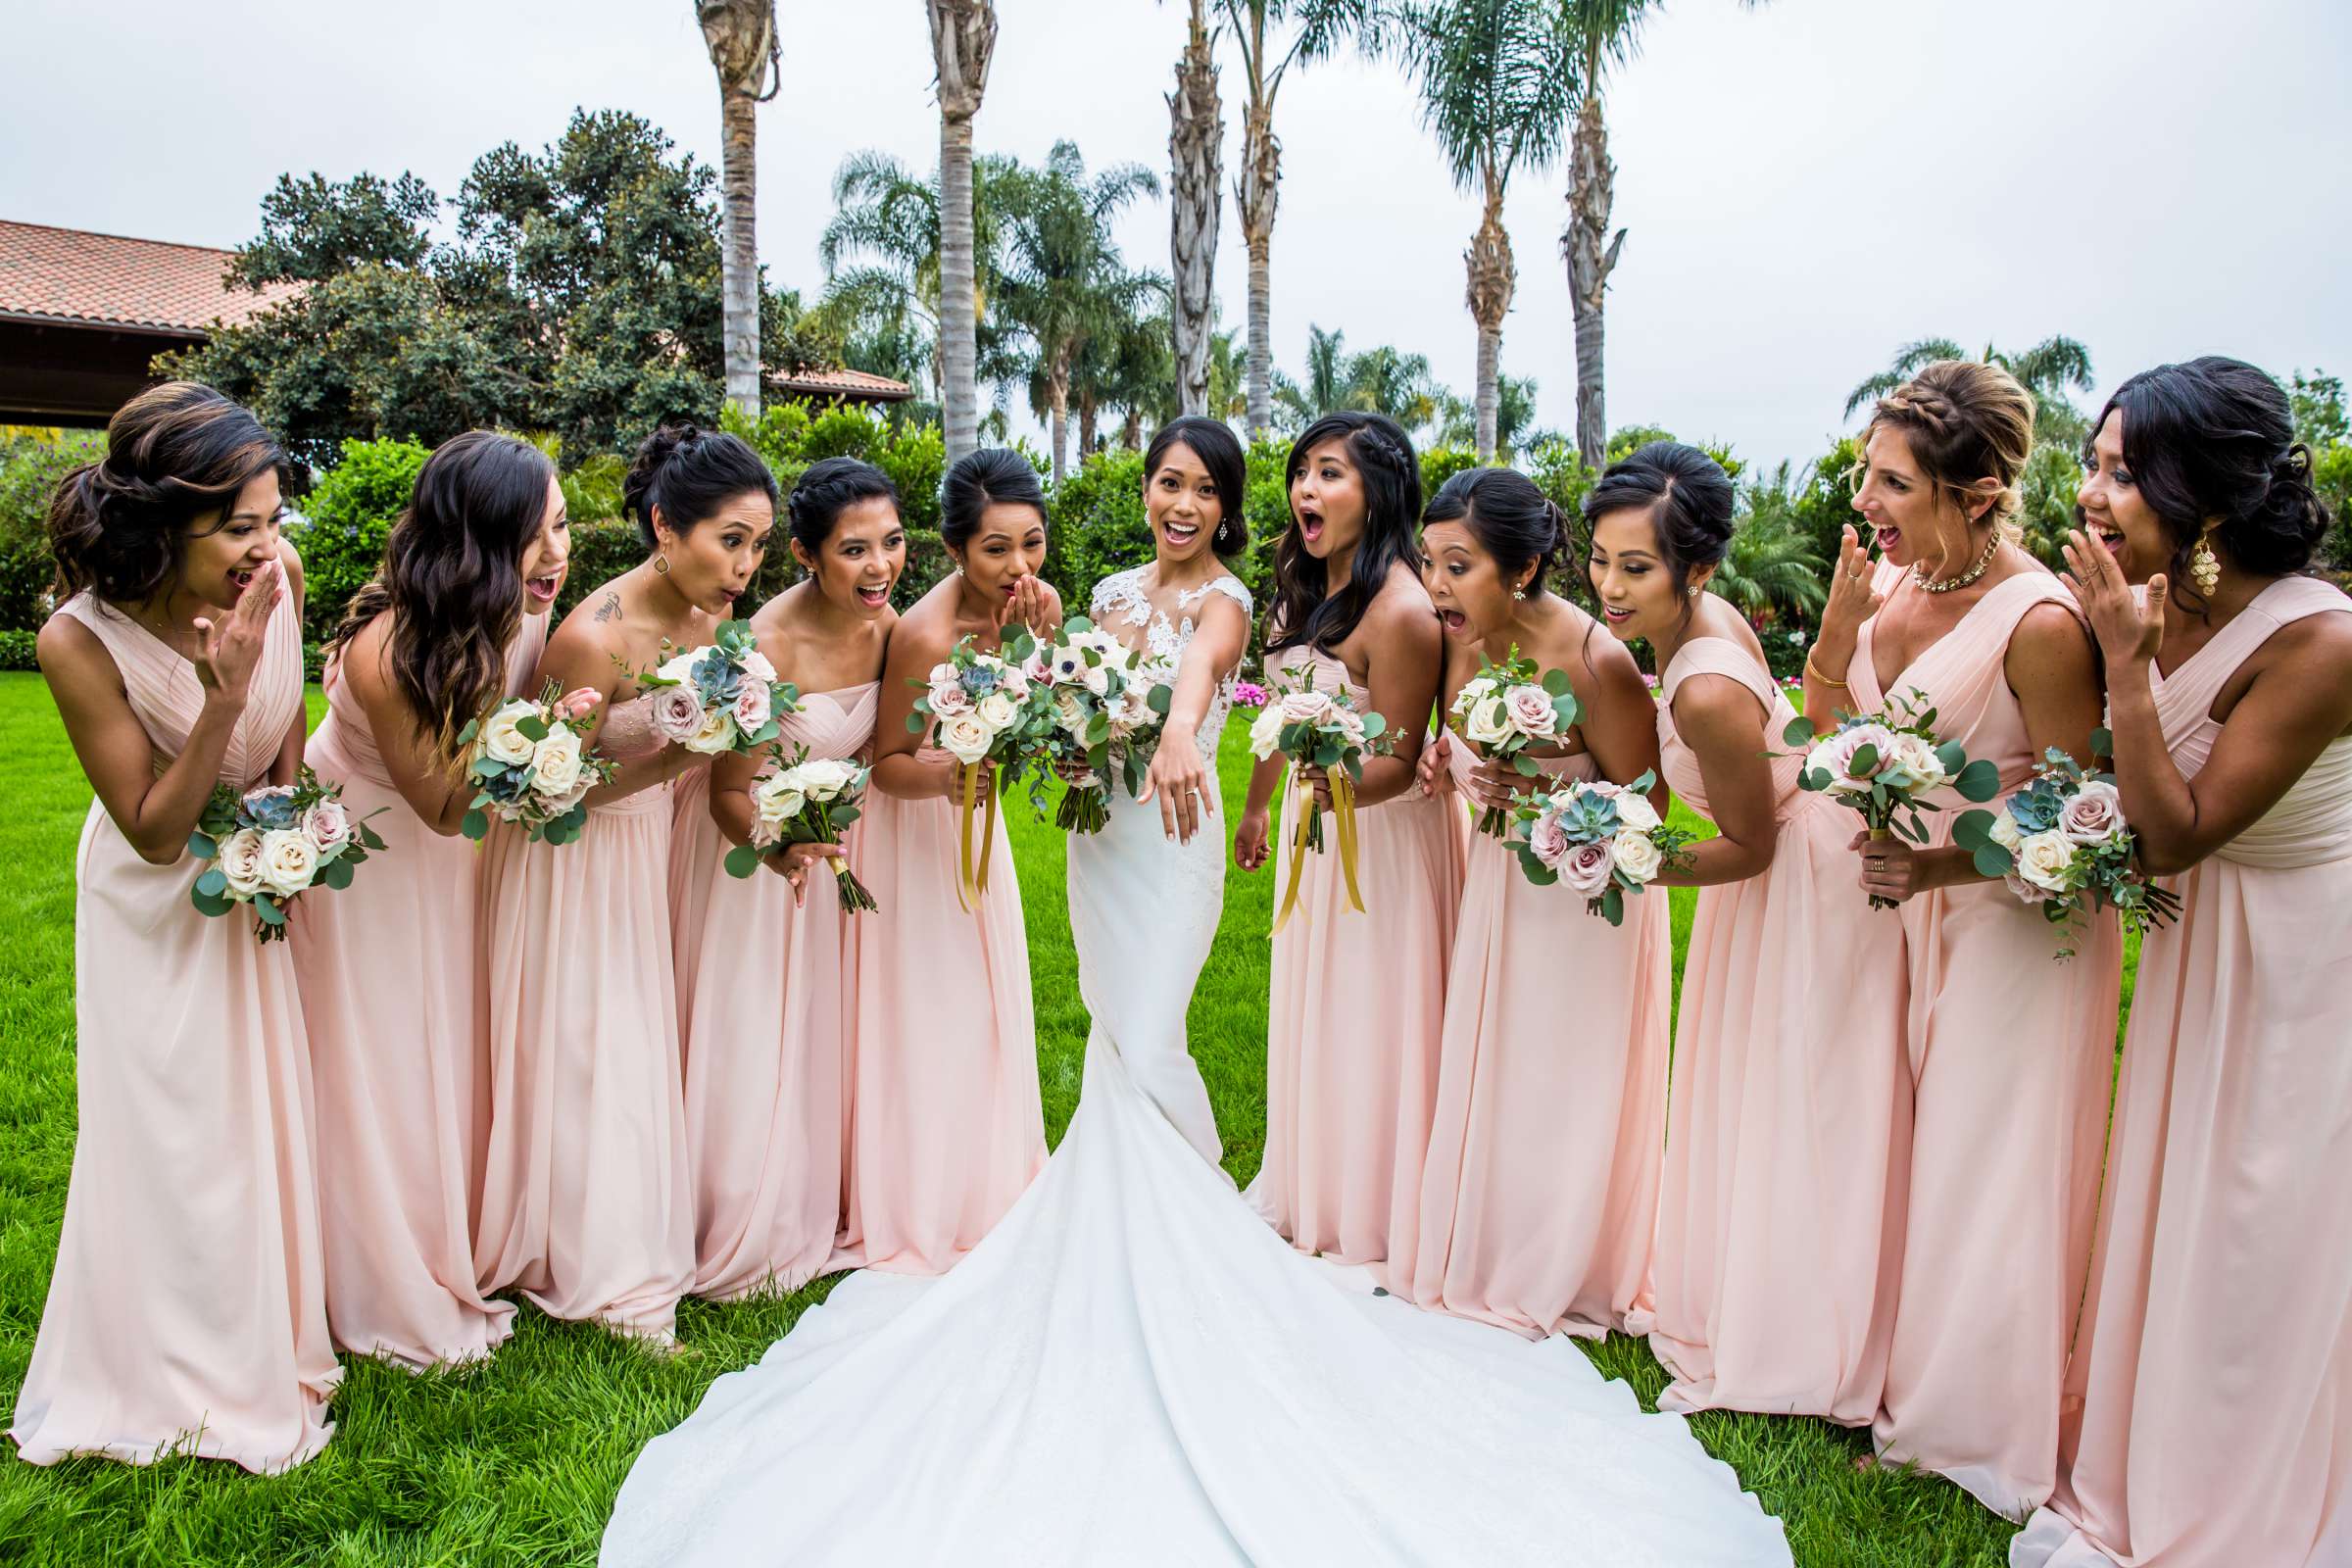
387, 969
2010, 1055
587, 1207
1357, 1010
771, 1026
1539, 1191
186, 1313
945, 1125
2212, 1389
1787, 1143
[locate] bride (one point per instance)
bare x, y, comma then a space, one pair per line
1132, 1367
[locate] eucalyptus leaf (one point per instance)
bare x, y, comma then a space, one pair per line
742, 860
1980, 780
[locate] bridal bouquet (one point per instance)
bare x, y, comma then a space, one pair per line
1884, 765
805, 799
530, 765
1604, 840
1100, 693
268, 847
2062, 842
983, 711
722, 698
1320, 729
1508, 709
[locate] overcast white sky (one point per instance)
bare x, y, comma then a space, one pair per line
1807, 186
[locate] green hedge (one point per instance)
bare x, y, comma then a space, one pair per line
30, 467
17, 649
347, 519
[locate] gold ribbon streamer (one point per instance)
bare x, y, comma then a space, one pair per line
1303, 800
988, 835
1343, 807
963, 862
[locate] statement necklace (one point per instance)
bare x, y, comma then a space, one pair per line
1920, 576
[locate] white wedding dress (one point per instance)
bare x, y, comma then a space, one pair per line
1133, 1369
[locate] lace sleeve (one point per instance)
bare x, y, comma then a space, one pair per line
1116, 592
1233, 589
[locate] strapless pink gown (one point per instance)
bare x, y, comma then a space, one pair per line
946, 1127
186, 1313
587, 1207
388, 969
692, 842
2010, 1055
768, 1074
1540, 1188
2214, 1374
1357, 1005
1787, 1143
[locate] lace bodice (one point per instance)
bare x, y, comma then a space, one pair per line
1120, 603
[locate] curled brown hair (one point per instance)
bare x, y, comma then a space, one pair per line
452, 578
173, 453
1966, 421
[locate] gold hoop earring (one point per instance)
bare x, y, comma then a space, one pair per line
2204, 567
662, 566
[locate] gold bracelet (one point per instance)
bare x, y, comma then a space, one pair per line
1822, 675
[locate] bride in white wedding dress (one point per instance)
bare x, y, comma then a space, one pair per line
1132, 1368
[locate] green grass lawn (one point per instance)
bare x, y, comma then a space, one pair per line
517, 1463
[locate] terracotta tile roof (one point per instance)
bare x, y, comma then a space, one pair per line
841, 384
73, 275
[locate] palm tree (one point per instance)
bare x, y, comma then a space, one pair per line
1195, 146
2046, 369
964, 37
1497, 80
1380, 381
740, 36
1456, 423
1326, 385
1318, 27
1769, 568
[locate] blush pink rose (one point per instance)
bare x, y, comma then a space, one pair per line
327, 825
949, 698
1836, 752
1548, 841
751, 709
677, 713
1531, 710
2093, 815
1305, 708
1587, 867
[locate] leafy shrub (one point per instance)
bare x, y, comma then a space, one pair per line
592, 492
17, 649
600, 553
30, 467
1440, 464
348, 517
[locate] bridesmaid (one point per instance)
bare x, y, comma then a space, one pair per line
1357, 999
1779, 1234
2010, 1050
587, 1207
452, 626
1540, 1189
766, 1084
185, 1313
947, 1127
2214, 1374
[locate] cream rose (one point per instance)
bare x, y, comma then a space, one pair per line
327, 825
2093, 815
1531, 710
1473, 693
1070, 711
757, 667
1634, 812
288, 861
1487, 724
964, 737
780, 797
1265, 733
1913, 756
1585, 868
827, 778
717, 733
996, 710
2004, 830
677, 713
1096, 678
556, 763
241, 862
1636, 857
2043, 857
501, 737
680, 666
1350, 723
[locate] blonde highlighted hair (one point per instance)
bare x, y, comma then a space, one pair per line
1967, 420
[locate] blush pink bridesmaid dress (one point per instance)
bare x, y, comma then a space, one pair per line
2212, 1390
388, 970
1787, 1143
1357, 1004
185, 1312
945, 1126
694, 846
2010, 1055
587, 1207
1539, 1189
767, 1082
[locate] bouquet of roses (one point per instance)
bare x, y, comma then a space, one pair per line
530, 765
805, 799
1320, 729
1508, 709
1100, 693
1884, 766
2062, 842
1604, 840
270, 846
722, 698
983, 711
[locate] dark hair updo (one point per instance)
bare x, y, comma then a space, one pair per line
2212, 442
173, 453
1686, 494
991, 477
829, 488
1383, 455
1214, 442
1510, 518
690, 473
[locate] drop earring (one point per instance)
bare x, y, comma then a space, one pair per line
662, 566
2204, 567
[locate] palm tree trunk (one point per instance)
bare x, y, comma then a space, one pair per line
1256, 194
1493, 279
1195, 138
964, 35
1591, 176
1058, 384
1086, 424
740, 36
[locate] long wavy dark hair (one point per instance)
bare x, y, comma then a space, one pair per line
452, 578
1304, 613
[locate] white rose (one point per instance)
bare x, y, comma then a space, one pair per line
2004, 830
556, 763
717, 733
1636, 857
1265, 733
1488, 722
2043, 858
1070, 711
241, 862
780, 797
965, 738
1916, 758
757, 667
288, 861
501, 737
996, 710
1635, 811
825, 778
1096, 678
1473, 693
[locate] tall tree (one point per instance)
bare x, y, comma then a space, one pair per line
1195, 152
2047, 370
963, 38
740, 36
1316, 28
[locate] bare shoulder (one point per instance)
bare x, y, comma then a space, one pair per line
2313, 653
2052, 633
1712, 711
289, 561
66, 648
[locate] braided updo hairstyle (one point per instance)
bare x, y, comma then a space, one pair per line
690, 473
1510, 518
2211, 445
174, 453
1966, 421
